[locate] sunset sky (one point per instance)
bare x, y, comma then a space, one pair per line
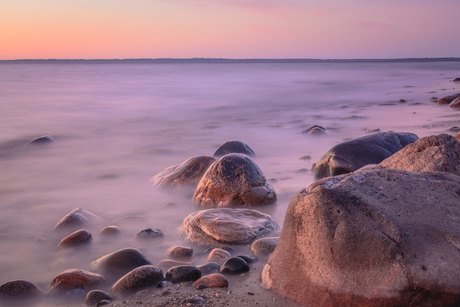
108, 29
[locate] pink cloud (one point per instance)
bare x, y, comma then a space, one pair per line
373, 25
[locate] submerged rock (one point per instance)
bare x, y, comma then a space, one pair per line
76, 238
455, 103
19, 290
77, 218
215, 280
233, 180
179, 252
110, 231
234, 147
217, 227
375, 237
315, 130
188, 173
138, 279
179, 274
149, 233
43, 140
448, 99
75, 279
351, 155
95, 296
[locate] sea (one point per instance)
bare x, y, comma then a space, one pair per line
117, 123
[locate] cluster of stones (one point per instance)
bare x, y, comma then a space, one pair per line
452, 100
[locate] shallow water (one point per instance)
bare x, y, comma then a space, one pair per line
117, 124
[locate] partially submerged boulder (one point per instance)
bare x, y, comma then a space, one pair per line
448, 99
233, 147
75, 219
375, 237
218, 227
434, 153
138, 279
76, 238
455, 103
19, 290
75, 279
349, 156
234, 179
188, 173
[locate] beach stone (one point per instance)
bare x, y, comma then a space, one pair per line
76, 238
234, 265
75, 279
454, 129
180, 252
183, 273
219, 227
215, 280
95, 296
448, 99
149, 233
218, 255
209, 268
233, 180
188, 173
19, 290
118, 263
455, 103
168, 263
349, 156
248, 259
43, 140
110, 231
456, 80
315, 130
264, 246
77, 218
435, 153
375, 237
138, 279
234, 147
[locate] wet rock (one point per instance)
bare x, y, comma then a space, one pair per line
429, 154
233, 180
448, 99
209, 268
19, 290
315, 130
149, 233
74, 279
224, 226
233, 147
454, 129
455, 103
43, 140
138, 279
248, 259
456, 80
234, 265
76, 238
351, 155
375, 237
95, 296
188, 173
179, 252
168, 263
215, 280
402, 100
118, 263
110, 231
218, 255
264, 246
77, 218
179, 274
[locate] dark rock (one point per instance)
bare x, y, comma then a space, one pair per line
76, 238
248, 259
448, 99
315, 130
164, 283
77, 218
435, 153
209, 268
179, 252
43, 140
234, 265
454, 129
218, 255
351, 155
179, 274
375, 237
225, 226
95, 296
168, 263
264, 246
118, 263
103, 303
233, 180
110, 231
233, 147
19, 290
456, 80
188, 173
74, 279
150, 233
138, 279
455, 103
402, 100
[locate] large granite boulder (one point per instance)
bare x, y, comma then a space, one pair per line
234, 179
434, 153
349, 156
219, 227
188, 173
375, 237
234, 147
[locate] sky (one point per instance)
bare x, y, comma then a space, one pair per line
237, 29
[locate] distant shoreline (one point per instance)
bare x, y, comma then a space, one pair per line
223, 60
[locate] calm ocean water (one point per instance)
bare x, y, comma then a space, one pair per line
118, 123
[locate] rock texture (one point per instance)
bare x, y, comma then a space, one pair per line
179, 274
179, 252
233, 180
349, 156
448, 99
188, 173
75, 219
138, 279
95, 296
19, 290
75, 279
218, 255
455, 103
217, 227
234, 147
215, 280
76, 238
429, 154
376, 237
264, 246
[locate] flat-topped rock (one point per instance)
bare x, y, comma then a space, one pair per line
234, 180
218, 227
233, 147
75, 219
